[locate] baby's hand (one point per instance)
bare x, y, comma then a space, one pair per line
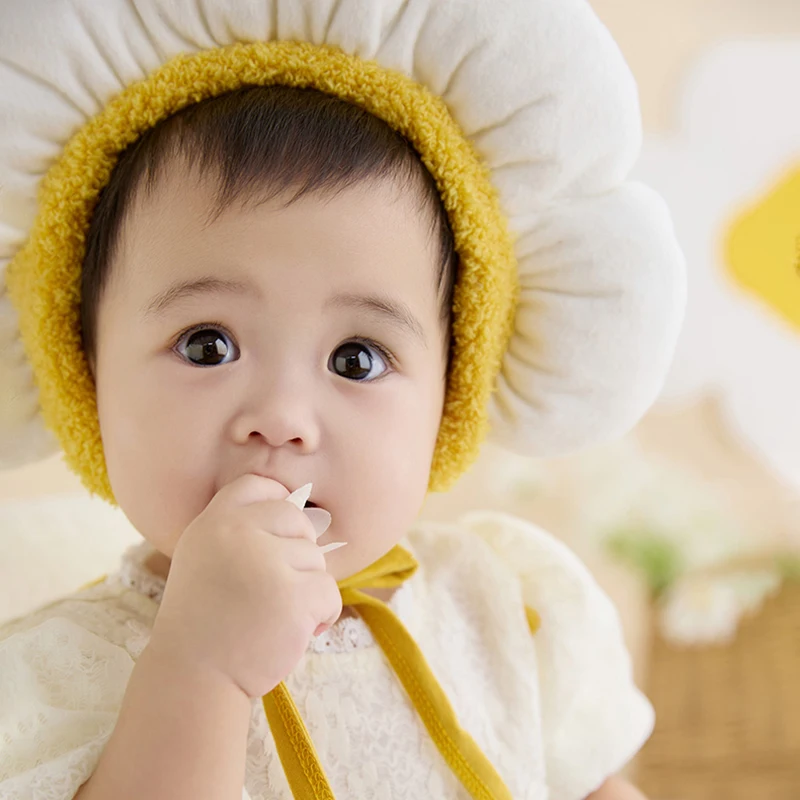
247, 588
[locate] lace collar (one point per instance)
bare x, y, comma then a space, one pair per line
348, 634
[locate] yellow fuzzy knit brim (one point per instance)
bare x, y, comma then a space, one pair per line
44, 278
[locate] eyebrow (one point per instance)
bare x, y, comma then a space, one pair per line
192, 288
394, 311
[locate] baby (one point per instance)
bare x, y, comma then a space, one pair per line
270, 291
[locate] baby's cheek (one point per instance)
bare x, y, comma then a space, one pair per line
409, 453
160, 490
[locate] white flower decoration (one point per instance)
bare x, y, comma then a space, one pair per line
708, 611
738, 145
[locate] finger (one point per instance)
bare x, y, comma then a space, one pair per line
280, 519
324, 597
302, 555
251, 488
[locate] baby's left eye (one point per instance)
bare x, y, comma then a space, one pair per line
355, 360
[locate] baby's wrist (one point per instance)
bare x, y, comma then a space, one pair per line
172, 661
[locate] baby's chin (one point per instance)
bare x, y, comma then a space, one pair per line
342, 564
351, 559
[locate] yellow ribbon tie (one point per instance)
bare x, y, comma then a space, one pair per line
295, 748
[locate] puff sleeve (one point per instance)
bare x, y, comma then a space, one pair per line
594, 718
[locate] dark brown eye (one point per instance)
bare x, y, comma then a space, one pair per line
355, 361
208, 347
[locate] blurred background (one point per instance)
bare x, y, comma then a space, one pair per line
692, 522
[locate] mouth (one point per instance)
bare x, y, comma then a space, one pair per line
311, 504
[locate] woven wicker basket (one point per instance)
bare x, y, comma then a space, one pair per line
728, 723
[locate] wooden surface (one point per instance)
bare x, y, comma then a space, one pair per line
729, 717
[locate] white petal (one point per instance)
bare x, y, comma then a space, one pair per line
299, 497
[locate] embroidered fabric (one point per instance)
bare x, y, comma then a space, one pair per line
555, 714
349, 633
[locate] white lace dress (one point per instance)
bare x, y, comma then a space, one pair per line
556, 713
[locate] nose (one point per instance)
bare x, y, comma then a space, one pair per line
280, 411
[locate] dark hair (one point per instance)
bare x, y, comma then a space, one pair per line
261, 142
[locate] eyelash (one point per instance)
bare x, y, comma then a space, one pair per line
390, 359
202, 327
385, 353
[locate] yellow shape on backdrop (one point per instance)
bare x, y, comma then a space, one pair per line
762, 249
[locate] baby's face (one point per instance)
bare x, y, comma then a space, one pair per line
279, 372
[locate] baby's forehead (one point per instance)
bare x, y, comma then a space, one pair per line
205, 195
365, 239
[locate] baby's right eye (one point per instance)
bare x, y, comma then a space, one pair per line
205, 346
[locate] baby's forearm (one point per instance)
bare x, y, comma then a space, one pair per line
181, 734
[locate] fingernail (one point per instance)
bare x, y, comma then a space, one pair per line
329, 548
320, 519
299, 497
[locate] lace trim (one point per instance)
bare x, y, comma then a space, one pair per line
135, 575
350, 633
